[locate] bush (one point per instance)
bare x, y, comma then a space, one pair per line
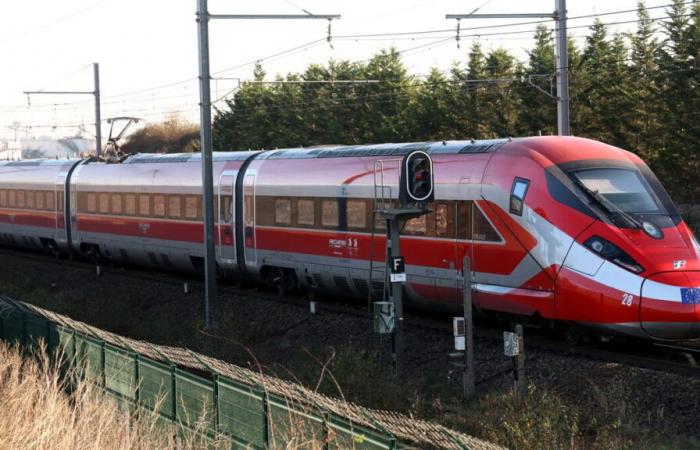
171, 136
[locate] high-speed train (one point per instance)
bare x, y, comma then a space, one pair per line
559, 229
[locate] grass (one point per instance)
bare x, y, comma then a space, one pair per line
43, 405
39, 409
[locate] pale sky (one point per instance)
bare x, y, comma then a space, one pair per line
147, 49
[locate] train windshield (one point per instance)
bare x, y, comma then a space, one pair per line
625, 189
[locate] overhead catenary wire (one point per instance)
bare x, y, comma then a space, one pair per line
318, 41
441, 41
485, 86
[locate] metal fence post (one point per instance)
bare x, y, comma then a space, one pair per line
468, 382
266, 422
519, 365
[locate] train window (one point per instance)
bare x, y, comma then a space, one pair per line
91, 202
30, 199
441, 220
175, 206
3, 198
159, 205
379, 222
517, 195
104, 203
116, 204
464, 220
191, 207
11, 198
329, 213
248, 202
415, 226
305, 212
144, 205
357, 214
283, 211
39, 200
483, 230
50, 201
130, 204
227, 211
20, 199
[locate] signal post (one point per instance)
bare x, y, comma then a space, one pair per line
415, 192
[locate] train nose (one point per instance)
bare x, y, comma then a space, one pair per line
670, 305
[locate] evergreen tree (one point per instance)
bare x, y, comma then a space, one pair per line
502, 105
538, 110
633, 91
644, 126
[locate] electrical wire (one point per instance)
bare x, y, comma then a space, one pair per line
51, 23
310, 44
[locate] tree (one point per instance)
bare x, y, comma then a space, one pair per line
171, 136
538, 113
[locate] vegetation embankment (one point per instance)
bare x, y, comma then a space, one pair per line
572, 404
43, 408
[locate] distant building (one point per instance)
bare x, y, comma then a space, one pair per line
9, 150
55, 148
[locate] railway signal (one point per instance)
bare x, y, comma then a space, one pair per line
415, 192
416, 184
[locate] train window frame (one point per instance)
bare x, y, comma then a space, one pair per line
144, 200
3, 197
12, 198
20, 199
130, 204
226, 213
29, 199
442, 231
518, 192
189, 200
159, 207
50, 200
116, 204
477, 213
91, 202
283, 211
353, 220
103, 203
418, 226
174, 200
303, 220
333, 204
39, 204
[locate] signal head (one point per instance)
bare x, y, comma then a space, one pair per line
416, 178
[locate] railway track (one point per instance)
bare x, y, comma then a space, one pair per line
679, 358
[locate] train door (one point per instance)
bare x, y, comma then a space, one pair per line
464, 243
251, 257
56, 200
226, 249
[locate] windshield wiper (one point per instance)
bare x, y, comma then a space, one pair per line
609, 206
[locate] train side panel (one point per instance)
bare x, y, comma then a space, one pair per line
32, 204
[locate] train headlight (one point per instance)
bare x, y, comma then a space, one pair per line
613, 253
652, 230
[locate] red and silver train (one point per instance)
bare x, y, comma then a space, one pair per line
557, 228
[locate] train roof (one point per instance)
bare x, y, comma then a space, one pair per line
439, 147
38, 162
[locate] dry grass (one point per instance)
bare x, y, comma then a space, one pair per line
39, 410
43, 406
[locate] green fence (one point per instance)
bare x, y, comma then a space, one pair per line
246, 414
